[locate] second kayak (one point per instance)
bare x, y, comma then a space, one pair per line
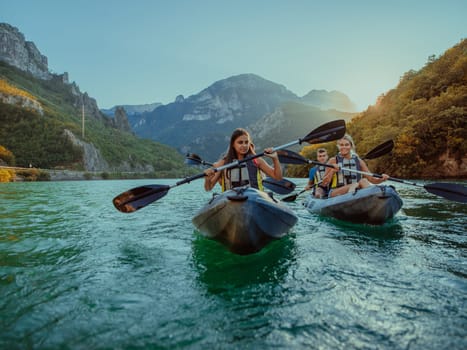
373, 205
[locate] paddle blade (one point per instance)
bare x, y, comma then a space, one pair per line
290, 198
194, 159
190, 161
289, 157
138, 197
453, 192
293, 197
331, 131
380, 150
283, 186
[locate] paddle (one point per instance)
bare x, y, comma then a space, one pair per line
376, 152
294, 196
283, 186
138, 197
194, 159
289, 157
380, 150
453, 192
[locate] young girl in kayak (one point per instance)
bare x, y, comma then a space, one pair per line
342, 182
249, 173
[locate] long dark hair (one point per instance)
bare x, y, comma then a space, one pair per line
231, 154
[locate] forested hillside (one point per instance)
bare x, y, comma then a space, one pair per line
425, 115
41, 125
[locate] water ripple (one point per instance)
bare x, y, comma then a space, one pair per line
76, 273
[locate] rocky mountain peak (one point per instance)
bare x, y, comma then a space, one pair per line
324, 99
121, 119
248, 82
22, 54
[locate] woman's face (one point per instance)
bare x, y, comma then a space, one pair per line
344, 147
241, 145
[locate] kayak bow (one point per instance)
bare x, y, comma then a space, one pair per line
244, 219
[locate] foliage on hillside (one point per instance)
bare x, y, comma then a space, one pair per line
35, 140
7, 175
426, 116
40, 140
8, 89
6, 156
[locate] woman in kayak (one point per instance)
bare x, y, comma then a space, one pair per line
248, 173
342, 182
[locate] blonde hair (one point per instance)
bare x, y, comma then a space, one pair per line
349, 138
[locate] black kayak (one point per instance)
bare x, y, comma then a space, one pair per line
244, 219
373, 205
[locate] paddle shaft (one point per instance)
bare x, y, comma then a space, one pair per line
365, 173
223, 167
454, 192
236, 163
293, 197
282, 186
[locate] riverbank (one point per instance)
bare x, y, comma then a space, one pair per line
19, 174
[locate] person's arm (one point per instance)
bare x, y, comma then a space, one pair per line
311, 178
212, 177
329, 172
275, 171
372, 179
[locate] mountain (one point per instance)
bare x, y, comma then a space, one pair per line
329, 100
291, 121
132, 110
41, 120
202, 123
208, 117
22, 54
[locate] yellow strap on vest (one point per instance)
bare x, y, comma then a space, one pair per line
334, 181
259, 178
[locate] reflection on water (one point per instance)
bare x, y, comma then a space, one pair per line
220, 270
393, 229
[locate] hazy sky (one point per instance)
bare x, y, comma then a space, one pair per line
142, 51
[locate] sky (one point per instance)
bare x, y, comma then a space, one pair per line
141, 51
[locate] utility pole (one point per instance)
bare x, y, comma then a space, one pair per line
82, 119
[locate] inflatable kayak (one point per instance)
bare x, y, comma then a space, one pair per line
373, 205
244, 219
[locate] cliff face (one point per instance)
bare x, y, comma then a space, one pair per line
121, 120
22, 54
451, 167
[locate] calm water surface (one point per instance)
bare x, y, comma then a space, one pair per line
77, 274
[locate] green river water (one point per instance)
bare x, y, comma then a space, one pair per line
77, 274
